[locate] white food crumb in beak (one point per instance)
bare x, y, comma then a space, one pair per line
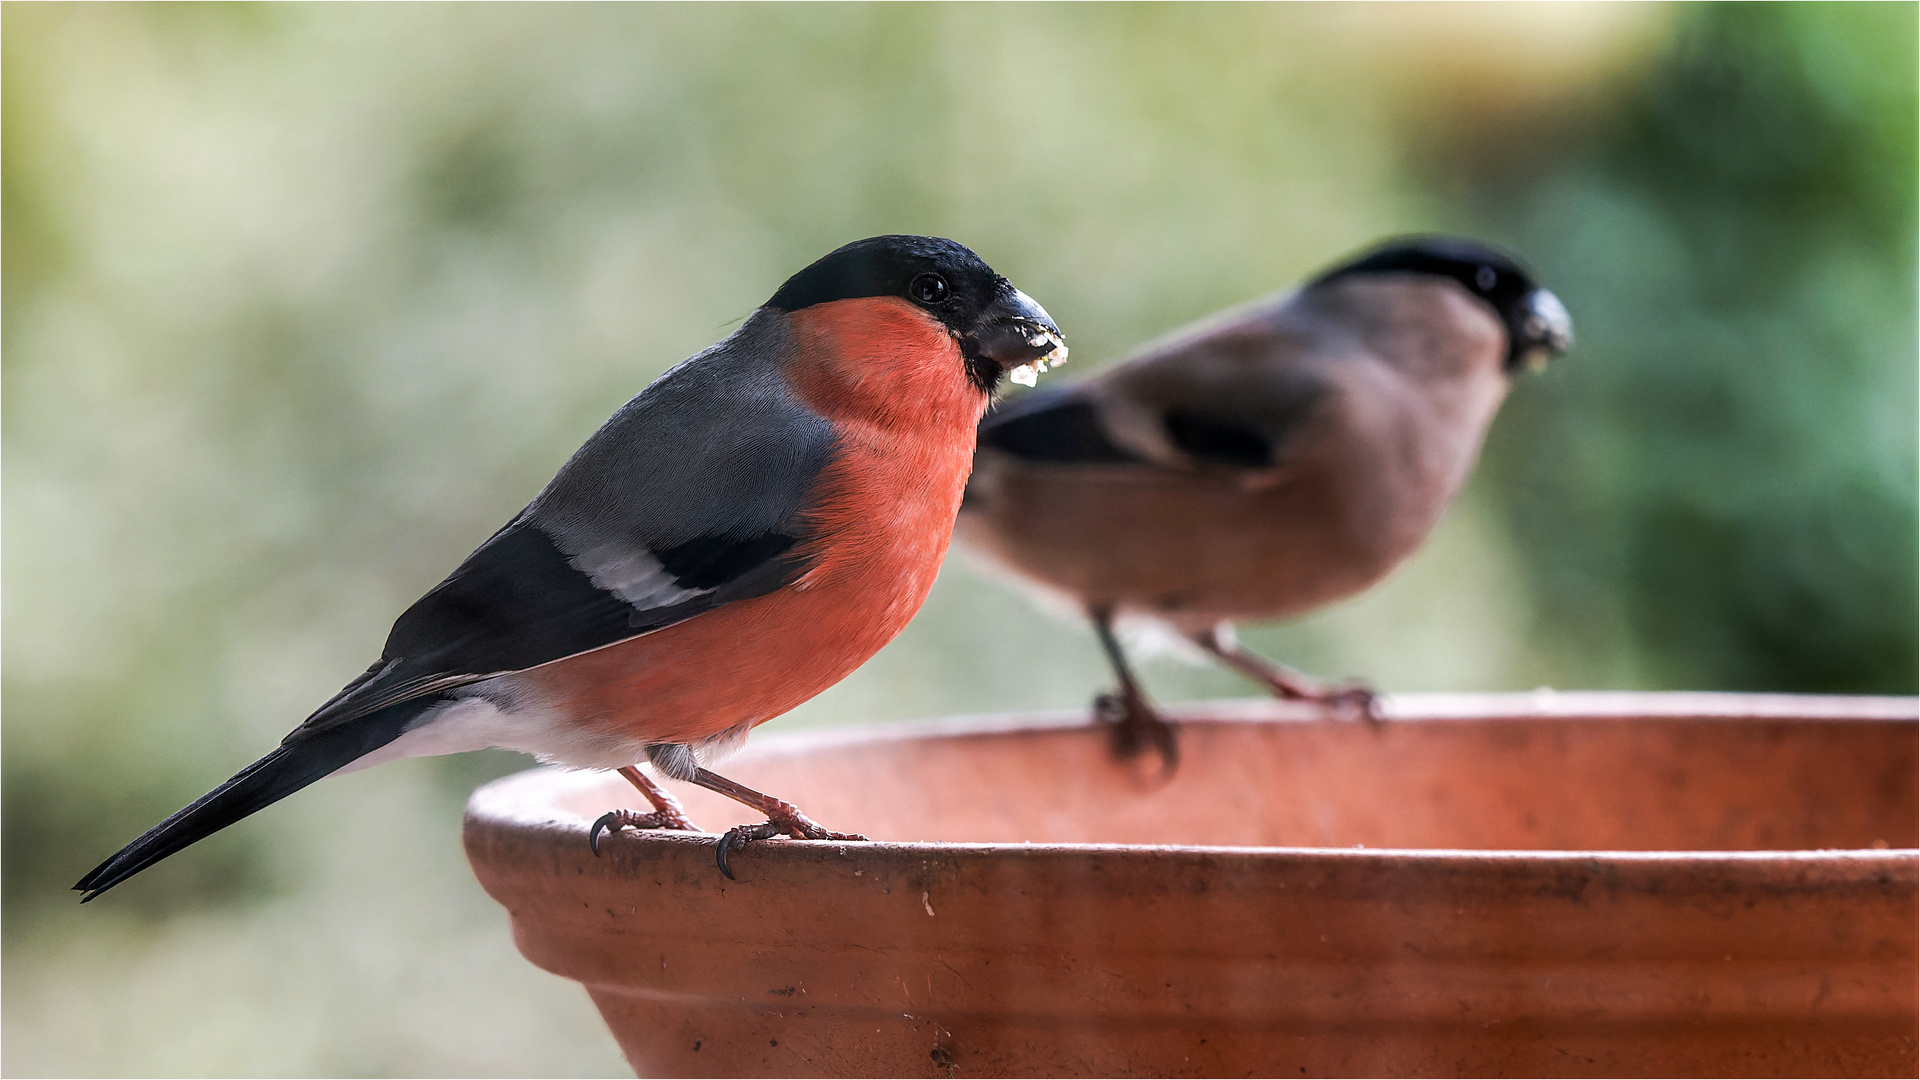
1028, 374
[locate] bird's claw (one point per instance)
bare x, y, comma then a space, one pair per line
1136, 728
1355, 699
614, 820
738, 837
786, 820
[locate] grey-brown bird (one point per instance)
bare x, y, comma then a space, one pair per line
1261, 463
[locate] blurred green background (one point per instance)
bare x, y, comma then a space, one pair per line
302, 301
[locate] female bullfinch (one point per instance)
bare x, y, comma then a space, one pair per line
1264, 462
736, 539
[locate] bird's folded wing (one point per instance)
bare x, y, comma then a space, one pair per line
1239, 419
690, 498
1059, 425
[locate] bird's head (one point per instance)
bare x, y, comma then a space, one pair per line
1538, 326
999, 329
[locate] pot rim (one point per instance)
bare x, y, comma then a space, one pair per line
534, 799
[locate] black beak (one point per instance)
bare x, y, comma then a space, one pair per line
1546, 330
1014, 332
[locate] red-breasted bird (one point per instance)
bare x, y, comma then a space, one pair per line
737, 538
1262, 463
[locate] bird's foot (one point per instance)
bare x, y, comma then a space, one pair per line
614, 820
1136, 728
1350, 700
1356, 700
783, 819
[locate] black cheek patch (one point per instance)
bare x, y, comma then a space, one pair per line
983, 373
1216, 441
708, 562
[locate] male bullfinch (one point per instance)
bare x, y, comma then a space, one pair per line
1261, 463
736, 539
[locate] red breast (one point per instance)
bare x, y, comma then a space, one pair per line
892, 382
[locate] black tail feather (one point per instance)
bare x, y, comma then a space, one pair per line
292, 766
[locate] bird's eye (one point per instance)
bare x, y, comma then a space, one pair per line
929, 288
1485, 277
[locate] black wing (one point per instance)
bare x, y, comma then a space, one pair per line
1058, 425
519, 602
1240, 430
691, 497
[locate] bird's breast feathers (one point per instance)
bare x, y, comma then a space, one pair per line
876, 524
879, 527
881, 361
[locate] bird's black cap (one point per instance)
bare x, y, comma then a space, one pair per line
998, 325
894, 266
1535, 319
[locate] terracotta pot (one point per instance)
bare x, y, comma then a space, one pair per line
1565, 884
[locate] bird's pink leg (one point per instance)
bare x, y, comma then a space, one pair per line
667, 811
673, 815
1222, 642
783, 818
1136, 724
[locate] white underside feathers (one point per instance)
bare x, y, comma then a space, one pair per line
500, 712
